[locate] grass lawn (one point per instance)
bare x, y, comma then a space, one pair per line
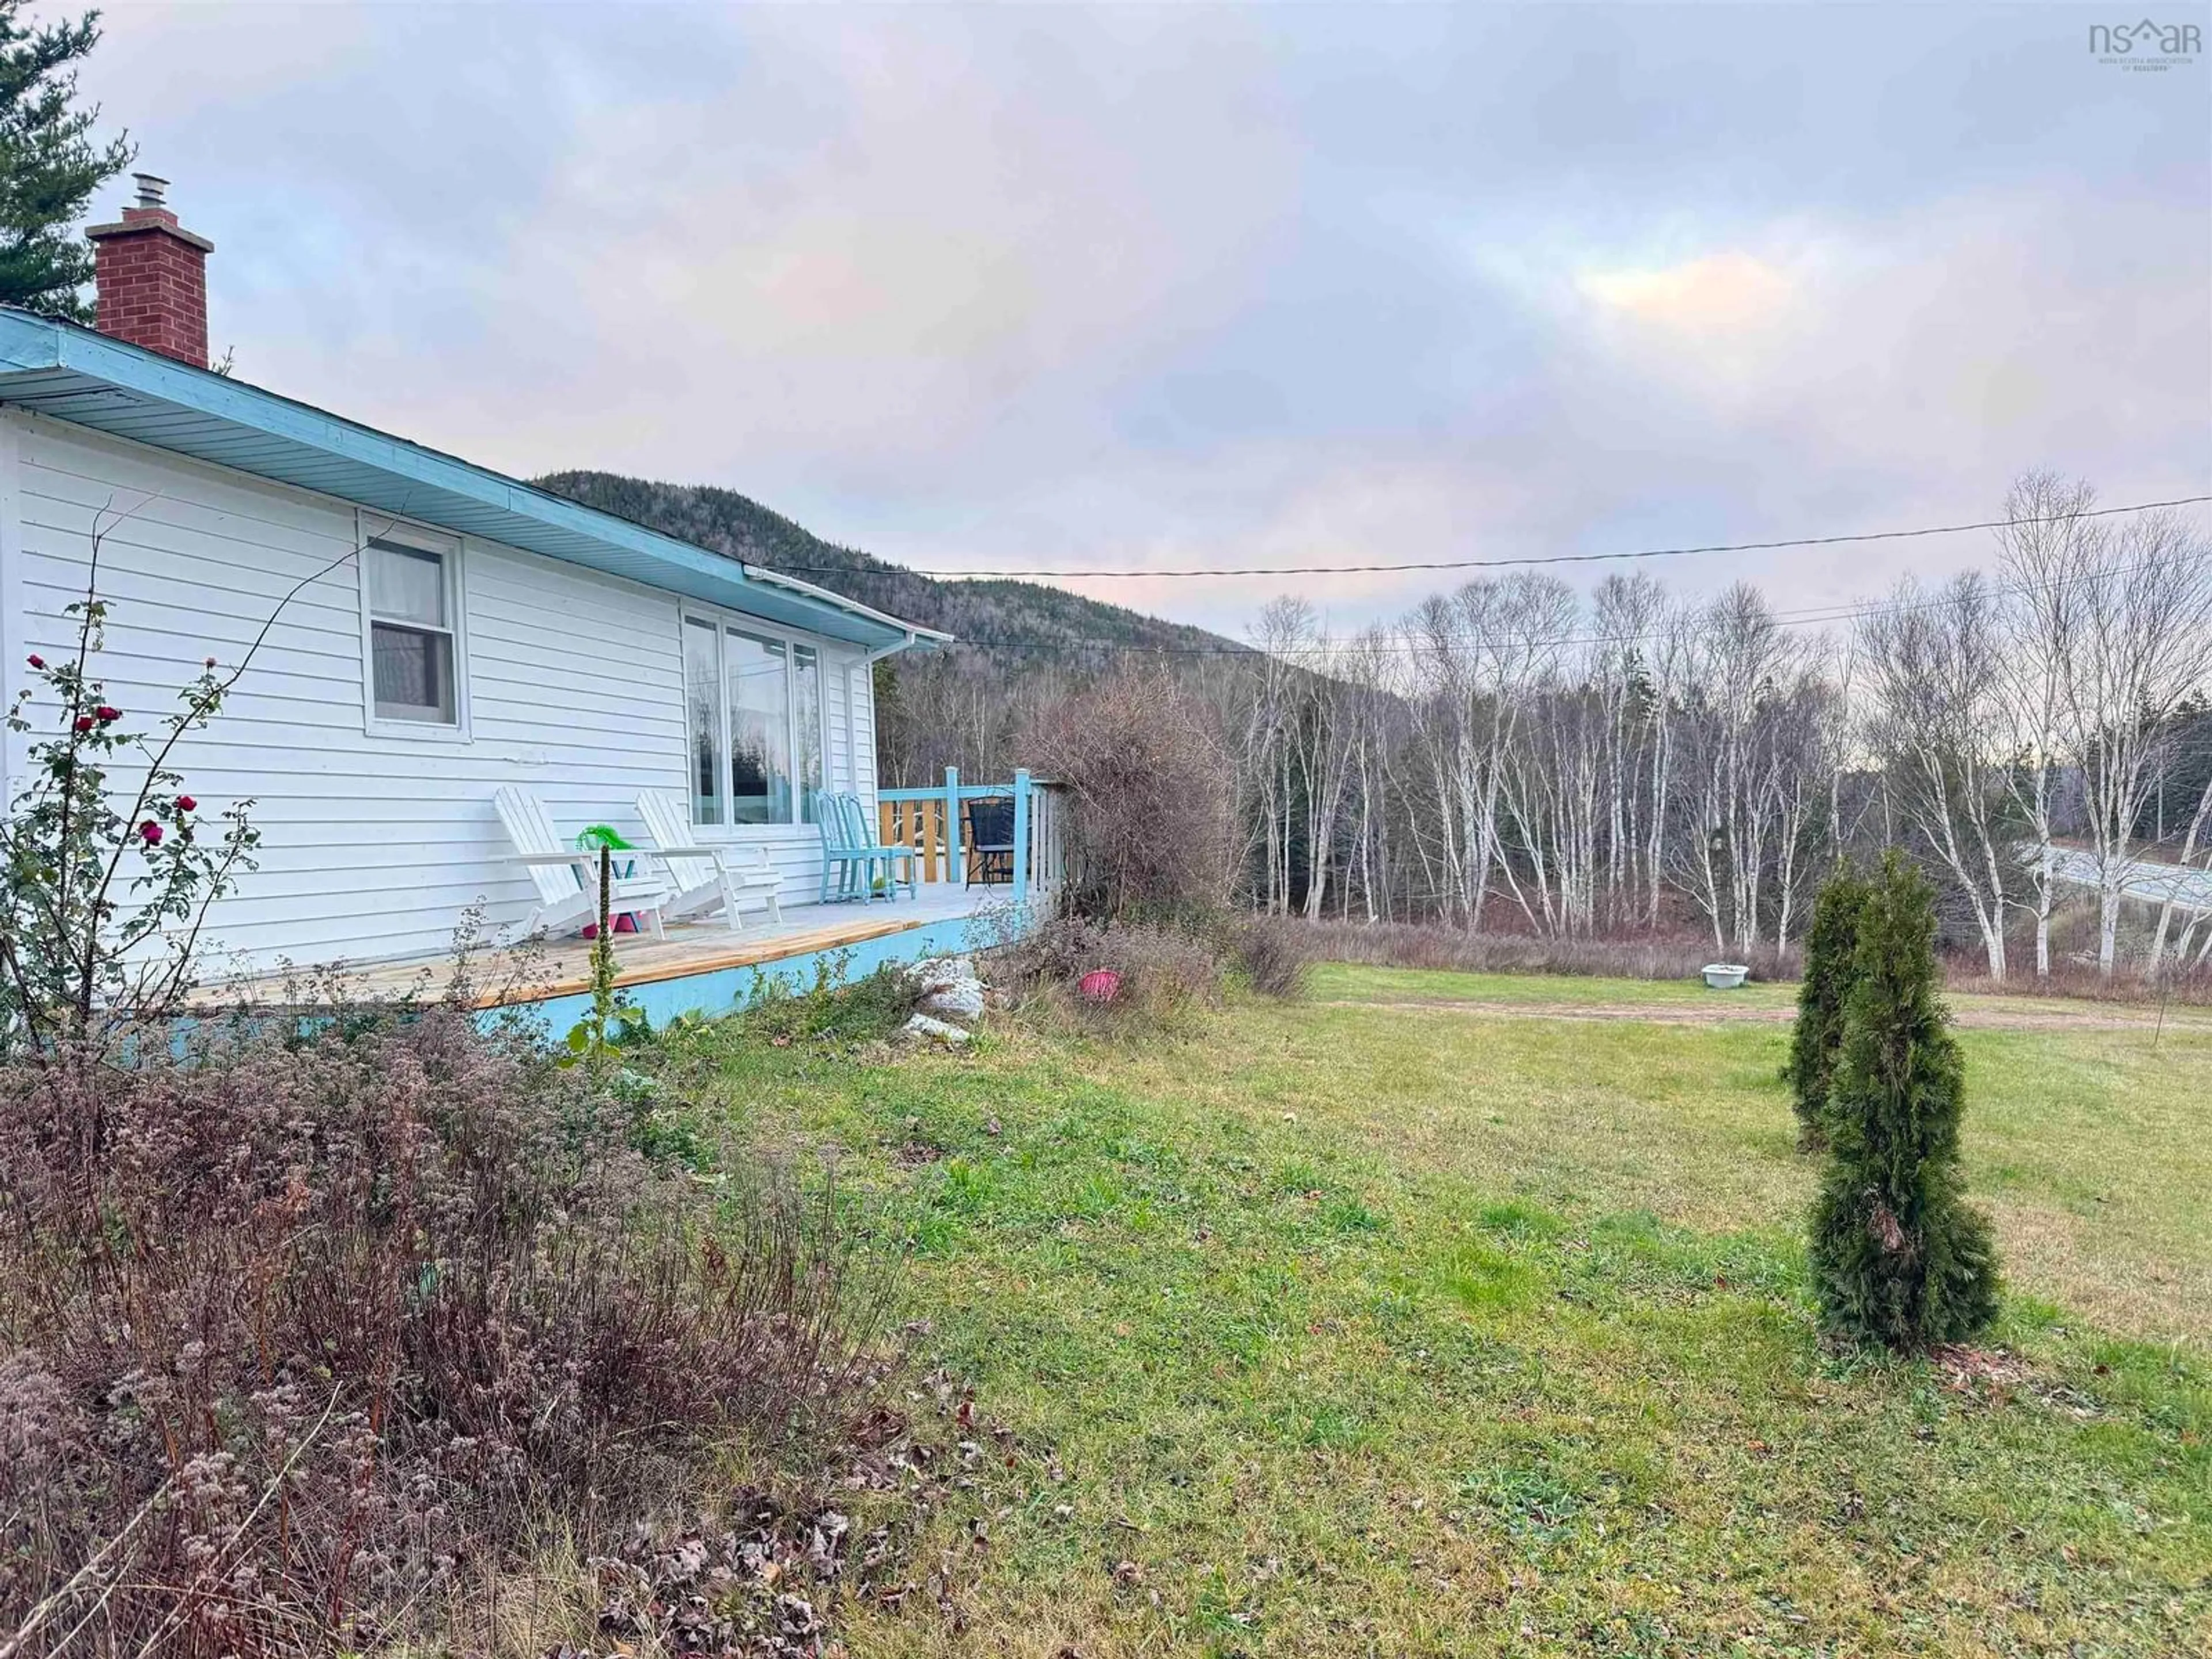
1376, 1324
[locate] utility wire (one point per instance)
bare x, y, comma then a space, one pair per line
1803, 616
1496, 564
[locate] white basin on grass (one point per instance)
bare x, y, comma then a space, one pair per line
1725, 975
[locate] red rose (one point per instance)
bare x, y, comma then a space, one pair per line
38, 661
186, 804
210, 662
108, 711
151, 832
84, 722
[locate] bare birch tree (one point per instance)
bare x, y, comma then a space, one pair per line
2143, 644
1934, 671
2045, 557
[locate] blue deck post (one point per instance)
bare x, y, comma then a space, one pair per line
1021, 834
952, 871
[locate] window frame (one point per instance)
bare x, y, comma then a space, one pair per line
792, 639
451, 553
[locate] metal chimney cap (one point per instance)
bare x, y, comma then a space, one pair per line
152, 189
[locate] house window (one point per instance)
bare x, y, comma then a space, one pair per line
754, 709
756, 676
702, 693
413, 649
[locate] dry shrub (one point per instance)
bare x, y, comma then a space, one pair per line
1272, 954
1413, 945
294, 1327
1164, 972
1153, 831
1427, 945
2073, 978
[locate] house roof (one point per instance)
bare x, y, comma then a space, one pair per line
90, 379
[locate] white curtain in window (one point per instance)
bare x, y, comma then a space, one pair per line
406, 585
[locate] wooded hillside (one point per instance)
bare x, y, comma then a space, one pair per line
1014, 622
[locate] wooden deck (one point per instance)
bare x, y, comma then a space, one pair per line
562, 967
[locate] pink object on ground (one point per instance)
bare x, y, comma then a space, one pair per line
1100, 985
625, 922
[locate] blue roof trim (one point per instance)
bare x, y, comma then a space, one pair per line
110, 386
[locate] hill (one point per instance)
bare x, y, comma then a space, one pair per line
1010, 621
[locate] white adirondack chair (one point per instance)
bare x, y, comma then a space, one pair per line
705, 878
568, 877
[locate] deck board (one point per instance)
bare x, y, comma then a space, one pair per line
504, 975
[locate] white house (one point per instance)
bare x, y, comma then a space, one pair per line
428, 630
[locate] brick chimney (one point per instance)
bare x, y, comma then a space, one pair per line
151, 277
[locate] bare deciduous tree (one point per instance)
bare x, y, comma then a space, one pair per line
1935, 671
2045, 553
2142, 644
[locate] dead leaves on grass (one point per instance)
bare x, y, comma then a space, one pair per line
1982, 1374
767, 1582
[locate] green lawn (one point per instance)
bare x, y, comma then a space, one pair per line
1375, 1325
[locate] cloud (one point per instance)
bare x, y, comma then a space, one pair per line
1962, 336
1728, 319
1068, 287
1703, 300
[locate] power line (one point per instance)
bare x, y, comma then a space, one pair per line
1530, 560
1803, 616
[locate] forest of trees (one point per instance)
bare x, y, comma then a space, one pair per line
1517, 754
1513, 755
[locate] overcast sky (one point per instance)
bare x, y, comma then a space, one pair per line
1061, 287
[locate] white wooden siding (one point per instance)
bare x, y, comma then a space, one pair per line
372, 845
864, 718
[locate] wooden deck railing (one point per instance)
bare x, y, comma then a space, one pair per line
931, 821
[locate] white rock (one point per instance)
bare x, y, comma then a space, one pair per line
922, 1029
956, 1000
941, 970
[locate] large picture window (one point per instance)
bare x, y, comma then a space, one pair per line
410, 596
754, 704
